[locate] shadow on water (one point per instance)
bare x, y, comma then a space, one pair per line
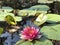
3, 25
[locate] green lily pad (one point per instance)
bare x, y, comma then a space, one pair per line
3, 14
51, 31
40, 8
53, 18
41, 19
45, 1
29, 12
21, 42
42, 41
7, 9
18, 18
26, 12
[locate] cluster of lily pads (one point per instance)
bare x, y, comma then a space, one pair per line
44, 28
49, 29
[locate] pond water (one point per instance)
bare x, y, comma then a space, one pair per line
13, 38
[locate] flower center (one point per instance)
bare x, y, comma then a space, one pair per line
30, 32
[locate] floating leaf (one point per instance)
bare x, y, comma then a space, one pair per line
18, 18
39, 8
51, 31
3, 15
26, 12
40, 19
53, 18
7, 9
45, 1
29, 12
21, 42
43, 41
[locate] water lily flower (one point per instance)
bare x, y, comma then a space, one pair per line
30, 33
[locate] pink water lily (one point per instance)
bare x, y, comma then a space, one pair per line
30, 33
